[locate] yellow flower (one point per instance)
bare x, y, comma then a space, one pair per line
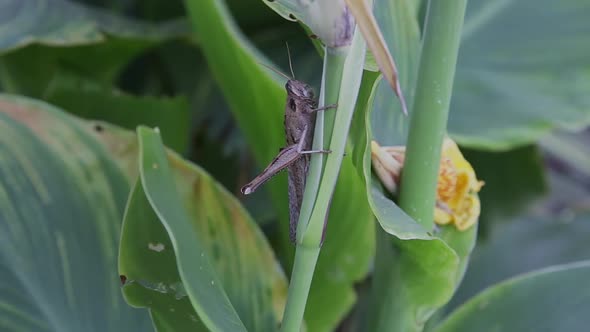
457, 202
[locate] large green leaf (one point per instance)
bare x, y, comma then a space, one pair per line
553, 299
67, 23
554, 232
509, 88
39, 38
62, 197
523, 70
258, 103
71, 54
214, 255
522, 246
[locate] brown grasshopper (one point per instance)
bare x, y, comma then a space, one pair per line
300, 115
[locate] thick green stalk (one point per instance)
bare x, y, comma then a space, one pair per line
428, 122
334, 63
380, 313
341, 83
303, 268
331, 78
307, 253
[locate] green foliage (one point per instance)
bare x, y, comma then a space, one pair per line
62, 194
215, 255
192, 257
91, 41
73, 56
420, 272
511, 89
501, 306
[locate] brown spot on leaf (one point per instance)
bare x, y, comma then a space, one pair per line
30, 117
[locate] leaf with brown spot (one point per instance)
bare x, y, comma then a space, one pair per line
62, 197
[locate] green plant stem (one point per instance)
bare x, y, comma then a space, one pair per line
428, 122
307, 252
305, 261
331, 77
334, 65
341, 65
382, 288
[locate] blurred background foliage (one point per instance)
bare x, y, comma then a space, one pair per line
519, 112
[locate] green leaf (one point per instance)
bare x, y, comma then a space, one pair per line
510, 87
40, 37
509, 90
402, 33
521, 246
89, 99
256, 100
67, 23
62, 195
553, 299
157, 284
258, 104
70, 55
223, 261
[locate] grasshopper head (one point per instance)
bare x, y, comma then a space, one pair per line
299, 89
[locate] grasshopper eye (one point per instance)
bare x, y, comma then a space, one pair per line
292, 104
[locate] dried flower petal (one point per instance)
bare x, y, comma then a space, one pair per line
456, 195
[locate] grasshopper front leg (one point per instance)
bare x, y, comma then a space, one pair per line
326, 107
302, 142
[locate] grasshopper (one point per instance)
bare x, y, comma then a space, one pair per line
300, 115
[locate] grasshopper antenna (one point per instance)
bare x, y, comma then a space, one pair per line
290, 64
276, 71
